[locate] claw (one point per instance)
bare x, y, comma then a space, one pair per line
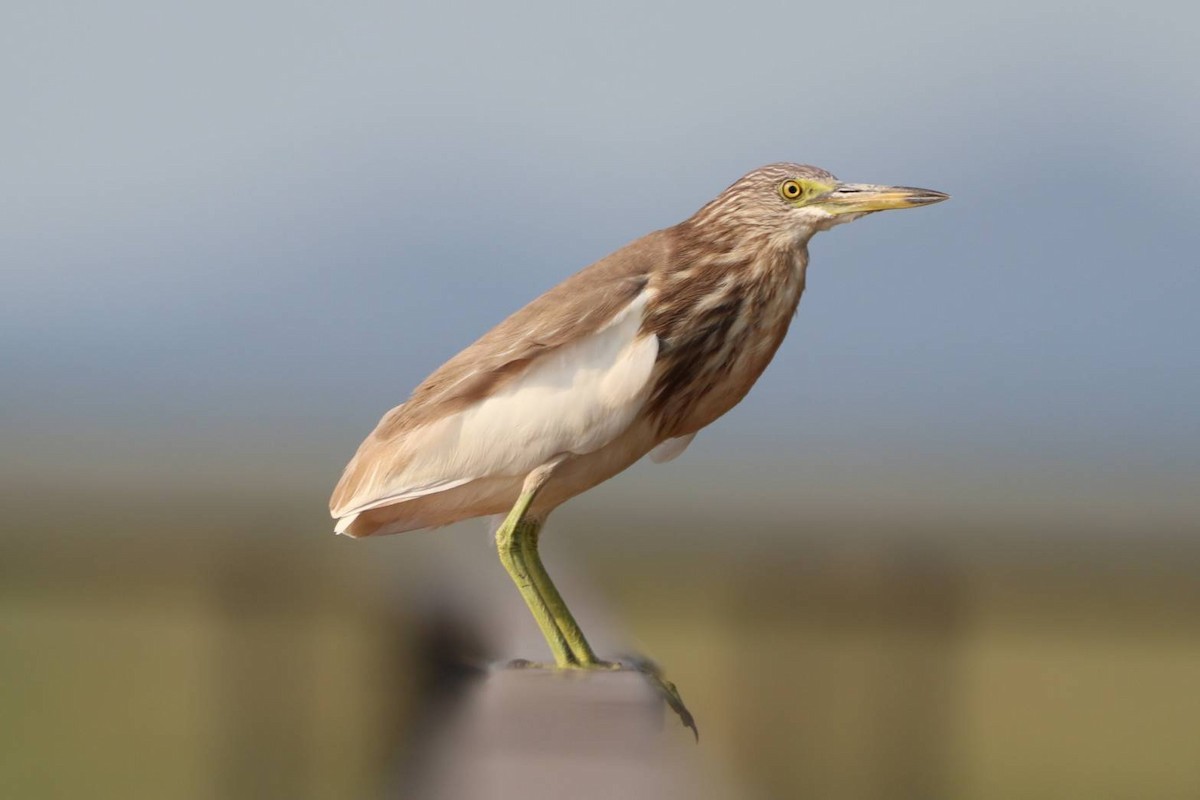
668, 691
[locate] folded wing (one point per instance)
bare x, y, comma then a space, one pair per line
556, 377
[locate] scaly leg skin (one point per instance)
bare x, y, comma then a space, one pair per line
509, 538
517, 543
581, 651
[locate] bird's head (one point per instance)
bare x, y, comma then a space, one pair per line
796, 200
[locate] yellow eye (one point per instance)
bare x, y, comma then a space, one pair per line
790, 190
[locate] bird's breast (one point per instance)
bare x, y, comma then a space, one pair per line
717, 333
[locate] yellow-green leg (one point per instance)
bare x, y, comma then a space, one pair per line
581, 652
511, 543
517, 543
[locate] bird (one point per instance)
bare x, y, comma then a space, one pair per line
629, 357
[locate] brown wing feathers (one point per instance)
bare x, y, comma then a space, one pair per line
578, 306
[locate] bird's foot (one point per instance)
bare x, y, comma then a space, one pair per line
524, 663
652, 672
668, 691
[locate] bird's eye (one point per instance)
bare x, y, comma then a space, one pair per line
790, 190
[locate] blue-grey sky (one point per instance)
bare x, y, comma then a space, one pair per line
264, 221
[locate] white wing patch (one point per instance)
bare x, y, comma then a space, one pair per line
574, 399
671, 449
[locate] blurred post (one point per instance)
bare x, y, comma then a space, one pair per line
536, 733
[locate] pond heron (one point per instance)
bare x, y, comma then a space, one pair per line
628, 357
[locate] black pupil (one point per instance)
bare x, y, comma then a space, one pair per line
793, 189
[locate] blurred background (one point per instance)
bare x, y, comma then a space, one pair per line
948, 547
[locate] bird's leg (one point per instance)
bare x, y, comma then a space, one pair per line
581, 651
517, 543
517, 540
510, 543
584, 657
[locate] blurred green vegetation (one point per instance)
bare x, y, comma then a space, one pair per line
197, 646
